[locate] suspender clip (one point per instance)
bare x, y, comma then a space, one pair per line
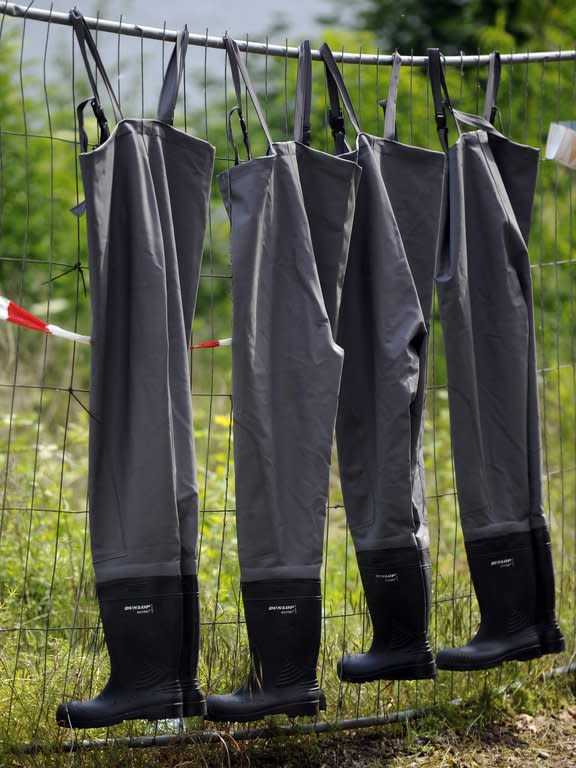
336, 122
101, 118
441, 121
237, 109
245, 137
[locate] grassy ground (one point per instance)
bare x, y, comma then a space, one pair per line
524, 740
480, 735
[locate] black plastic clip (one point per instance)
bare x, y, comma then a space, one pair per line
101, 119
440, 121
336, 122
244, 129
230, 133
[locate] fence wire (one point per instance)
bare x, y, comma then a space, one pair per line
51, 646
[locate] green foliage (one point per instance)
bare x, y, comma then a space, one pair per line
412, 25
40, 240
466, 25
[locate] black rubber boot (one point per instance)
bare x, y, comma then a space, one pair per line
549, 633
503, 575
142, 623
283, 620
397, 588
194, 702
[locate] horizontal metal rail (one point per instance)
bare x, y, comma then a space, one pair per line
267, 49
214, 737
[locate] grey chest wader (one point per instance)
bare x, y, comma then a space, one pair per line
485, 296
147, 192
287, 210
384, 315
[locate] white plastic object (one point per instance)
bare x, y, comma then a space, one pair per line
561, 144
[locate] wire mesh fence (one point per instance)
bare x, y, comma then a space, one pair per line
51, 646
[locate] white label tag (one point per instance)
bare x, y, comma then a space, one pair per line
283, 609
505, 562
388, 578
140, 609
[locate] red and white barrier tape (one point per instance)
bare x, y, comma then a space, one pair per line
212, 344
14, 314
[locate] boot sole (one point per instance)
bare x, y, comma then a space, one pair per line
300, 709
194, 709
165, 712
470, 665
551, 639
425, 671
553, 646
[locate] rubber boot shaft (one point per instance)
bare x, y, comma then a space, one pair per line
397, 589
283, 621
142, 623
503, 576
549, 633
194, 703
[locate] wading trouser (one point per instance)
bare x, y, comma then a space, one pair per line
485, 296
385, 311
287, 210
147, 192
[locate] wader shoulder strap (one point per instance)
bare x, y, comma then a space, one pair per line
303, 95
389, 103
336, 88
442, 103
238, 69
173, 78
87, 45
494, 71
475, 121
439, 95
